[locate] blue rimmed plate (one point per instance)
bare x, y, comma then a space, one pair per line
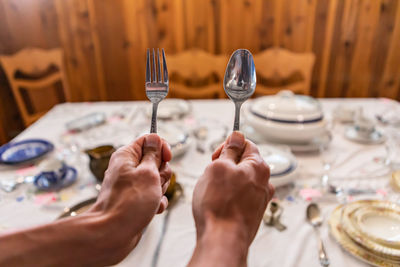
24, 151
43, 183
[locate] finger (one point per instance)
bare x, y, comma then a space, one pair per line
163, 205
217, 152
233, 149
129, 154
165, 172
152, 146
166, 151
165, 187
250, 152
271, 191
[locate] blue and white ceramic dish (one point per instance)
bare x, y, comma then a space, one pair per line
23, 151
48, 181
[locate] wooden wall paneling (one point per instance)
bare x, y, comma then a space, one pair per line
297, 25
114, 49
390, 82
268, 22
278, 22
380, 44
79, 51
344, 37
325, 22
200, 25
360, 71
6, 36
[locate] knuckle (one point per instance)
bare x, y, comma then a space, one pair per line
147, 172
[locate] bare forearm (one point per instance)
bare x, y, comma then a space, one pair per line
220, 246
71, 242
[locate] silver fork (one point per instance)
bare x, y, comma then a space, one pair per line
156, 87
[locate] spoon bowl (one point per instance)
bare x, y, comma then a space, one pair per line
240, 80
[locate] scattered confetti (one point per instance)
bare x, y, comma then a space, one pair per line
381, 192
290, 198
45, 198
309, 193
27, 170
20, 199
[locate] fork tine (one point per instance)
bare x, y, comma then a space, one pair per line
148, 72
159, 66
165, 70
154, 67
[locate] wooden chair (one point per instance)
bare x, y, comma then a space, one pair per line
196, 74
37, 79
279, 69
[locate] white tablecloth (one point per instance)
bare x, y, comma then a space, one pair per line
296, 246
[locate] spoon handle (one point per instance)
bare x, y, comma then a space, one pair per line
237, 116
323, 258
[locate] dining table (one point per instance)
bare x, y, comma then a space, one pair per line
357, 165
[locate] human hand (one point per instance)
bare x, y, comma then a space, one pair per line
230, 198
133, 188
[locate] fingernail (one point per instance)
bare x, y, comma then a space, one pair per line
236, 140
152, 140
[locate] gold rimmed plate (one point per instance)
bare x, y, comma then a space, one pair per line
379, 224
351, 246
353, 229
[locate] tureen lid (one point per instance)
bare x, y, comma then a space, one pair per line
287, 107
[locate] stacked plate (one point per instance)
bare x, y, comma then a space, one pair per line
370, 230
282, 164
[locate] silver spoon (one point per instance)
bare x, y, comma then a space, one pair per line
240, 80
315, 219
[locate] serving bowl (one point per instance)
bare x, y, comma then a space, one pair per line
286, 117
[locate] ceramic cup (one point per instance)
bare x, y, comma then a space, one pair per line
364, 126
52, 172
345, 113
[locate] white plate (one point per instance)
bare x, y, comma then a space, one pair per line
282, 164
375, 137
170, 108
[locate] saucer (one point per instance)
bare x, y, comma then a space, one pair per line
170, 109
24, 151
41, 182
375, 137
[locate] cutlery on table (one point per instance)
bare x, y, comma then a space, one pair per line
240, 80
10, 185
273, 218
156, 85
315, 219
177, 194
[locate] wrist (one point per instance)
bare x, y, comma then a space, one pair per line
223, 243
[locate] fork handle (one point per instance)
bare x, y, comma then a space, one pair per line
153, 128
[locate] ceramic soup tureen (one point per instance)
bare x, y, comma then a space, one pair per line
286, 117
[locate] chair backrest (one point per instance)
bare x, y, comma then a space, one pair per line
39, 72
279, 69
196, 74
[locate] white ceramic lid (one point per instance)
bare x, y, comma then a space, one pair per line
287, 107
279, 161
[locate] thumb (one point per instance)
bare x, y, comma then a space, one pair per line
233, 148
151, 155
